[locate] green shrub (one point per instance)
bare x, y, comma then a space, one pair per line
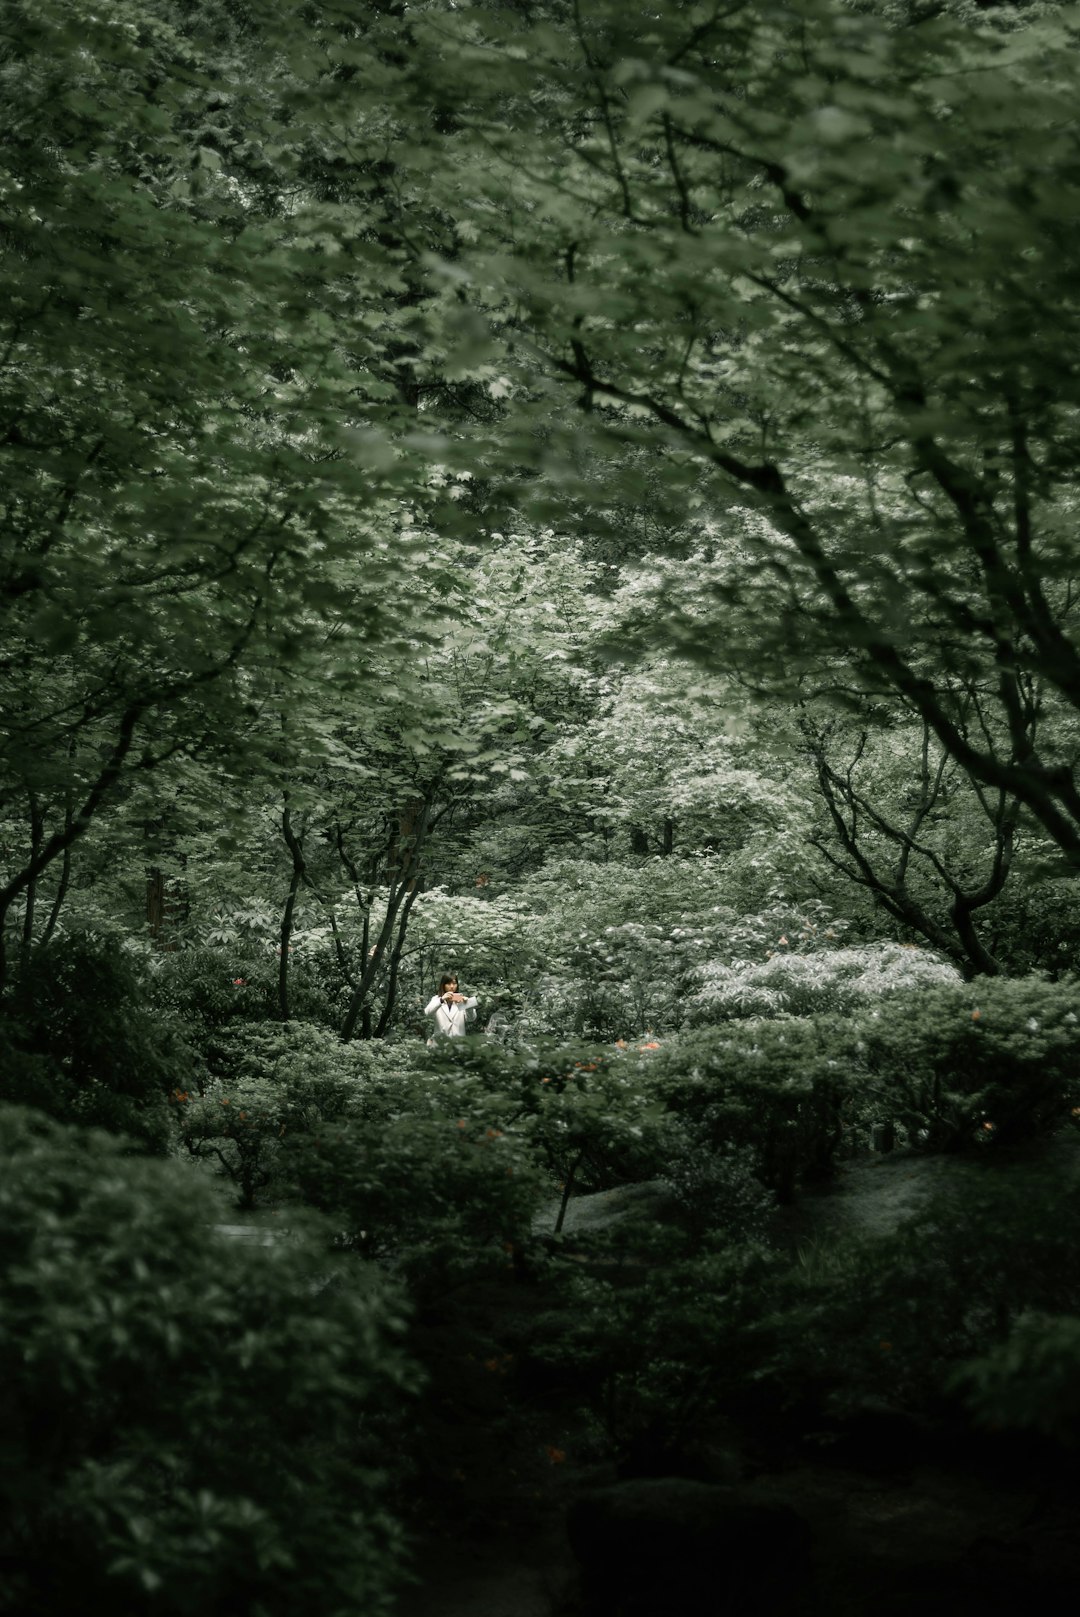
287, 1079
84, 1045
442, 1187
1030, 1381
590, 1113
787, 1092
190, 1425
987, 1064
717, 1196
212, 991
893, 1317
650, 1356
1034, 925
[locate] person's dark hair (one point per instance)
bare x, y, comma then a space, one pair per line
449, 977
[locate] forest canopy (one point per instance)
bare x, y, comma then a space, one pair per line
344, 350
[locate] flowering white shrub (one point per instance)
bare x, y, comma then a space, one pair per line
825, 980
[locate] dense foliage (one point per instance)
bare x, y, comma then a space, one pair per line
578, 495
189, 1424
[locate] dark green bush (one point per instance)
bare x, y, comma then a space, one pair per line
653, 1353
590, 1112
189, 1424
717, 1197
788, 1092
985, 1064
213, 991
436, 1196
86, 1047
892, 1317
1034, 925
286, 1080
1031, 1380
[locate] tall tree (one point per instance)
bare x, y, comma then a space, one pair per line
822, 258
190, 375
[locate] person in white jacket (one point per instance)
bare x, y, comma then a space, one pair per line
450, 1009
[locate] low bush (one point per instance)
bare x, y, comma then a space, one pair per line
717, 1197
894, 1317
451, 1172
286, 1080
213, 990
980, 1065
190, 1425
589, 1112
83, 1045
650, 1355
434, 1196
1030, 1381
788, 1093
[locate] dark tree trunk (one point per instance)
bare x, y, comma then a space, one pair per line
155, 904
292, 842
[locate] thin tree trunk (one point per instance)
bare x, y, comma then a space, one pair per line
408, 867
60, 895
568, 1190
292, 842
155, 903
395, 962
37, 832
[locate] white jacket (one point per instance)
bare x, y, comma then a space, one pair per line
451, 1019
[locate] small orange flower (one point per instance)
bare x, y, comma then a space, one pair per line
654, 1045
239, 982
461, 1122
975, 1015
493, 1134
555, 1456
886, 1347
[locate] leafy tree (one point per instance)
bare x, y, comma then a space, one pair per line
933, 847
820, 258
191, 507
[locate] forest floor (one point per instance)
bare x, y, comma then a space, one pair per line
897, 1527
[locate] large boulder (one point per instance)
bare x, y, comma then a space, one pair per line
668, 1544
